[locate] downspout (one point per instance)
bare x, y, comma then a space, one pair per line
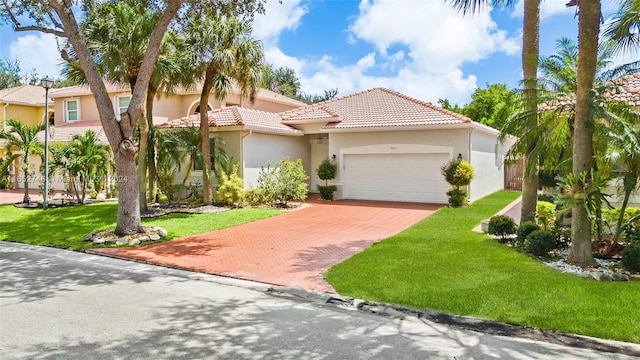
4, 116
242, 152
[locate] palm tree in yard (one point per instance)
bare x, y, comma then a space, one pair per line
530, 54
118, 35
220, 51
87, 160
24, 137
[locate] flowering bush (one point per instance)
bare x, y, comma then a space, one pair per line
284, 182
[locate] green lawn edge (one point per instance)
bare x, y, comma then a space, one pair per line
441, 264
65, 227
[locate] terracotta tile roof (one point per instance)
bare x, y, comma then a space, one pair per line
64, 132
626, 88
29, 95
78, 90
236, 116
377, 107
261, 93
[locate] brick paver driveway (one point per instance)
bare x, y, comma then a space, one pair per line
292, 249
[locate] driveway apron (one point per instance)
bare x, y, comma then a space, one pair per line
292, 249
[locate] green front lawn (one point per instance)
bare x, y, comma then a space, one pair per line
66, 227
440, 264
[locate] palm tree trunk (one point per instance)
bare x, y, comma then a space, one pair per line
142, 155
588, 29
207, 191
25, 170
153, 172
530, 54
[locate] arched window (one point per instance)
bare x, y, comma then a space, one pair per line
197, 111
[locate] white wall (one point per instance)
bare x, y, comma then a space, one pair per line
267, 149
487, 164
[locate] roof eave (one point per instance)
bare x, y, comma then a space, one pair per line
312, 121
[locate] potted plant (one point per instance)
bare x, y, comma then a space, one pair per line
326, 171
457, 173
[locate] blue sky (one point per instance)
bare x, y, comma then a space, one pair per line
422, 48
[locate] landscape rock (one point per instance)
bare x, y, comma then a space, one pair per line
99, 240
162, 232
154, 237
122, 241
134, 242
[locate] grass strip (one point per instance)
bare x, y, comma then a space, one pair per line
65, 227
441, 264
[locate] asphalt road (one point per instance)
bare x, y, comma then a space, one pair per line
57, 304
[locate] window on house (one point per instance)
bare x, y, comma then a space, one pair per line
71, 110
52, 119
122, 104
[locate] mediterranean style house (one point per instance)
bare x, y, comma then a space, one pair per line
388, 146
27, 104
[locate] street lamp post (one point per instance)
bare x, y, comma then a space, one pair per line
47, 84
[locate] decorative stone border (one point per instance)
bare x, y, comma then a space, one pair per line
108, 237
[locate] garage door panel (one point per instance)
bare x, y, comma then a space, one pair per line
396, 177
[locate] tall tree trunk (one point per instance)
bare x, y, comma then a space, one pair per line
588, 29
143, 153
150, 154
151, 162
530, 54
207, 186
118, 132
25, 170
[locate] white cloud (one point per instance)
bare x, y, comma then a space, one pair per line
548, 9
435, 40
37, 51
277, 18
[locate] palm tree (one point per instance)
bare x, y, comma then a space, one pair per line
552, 138
530, 54
589, 14
5, 162
118, 35
24, 137
220, 51
624, 27
88, 160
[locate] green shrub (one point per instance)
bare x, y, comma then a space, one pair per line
502, 226
545, 214
327, 170
93, 195
255, 196
326, 191
524, 229
457, 197
284, 182
457, 173
231, 188
631, 257
547, 178
539, 242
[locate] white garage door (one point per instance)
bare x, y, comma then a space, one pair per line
396, 177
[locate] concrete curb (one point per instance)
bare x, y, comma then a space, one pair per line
460, 322
406, 313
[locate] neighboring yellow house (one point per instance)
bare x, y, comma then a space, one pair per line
25, 103
76, 112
